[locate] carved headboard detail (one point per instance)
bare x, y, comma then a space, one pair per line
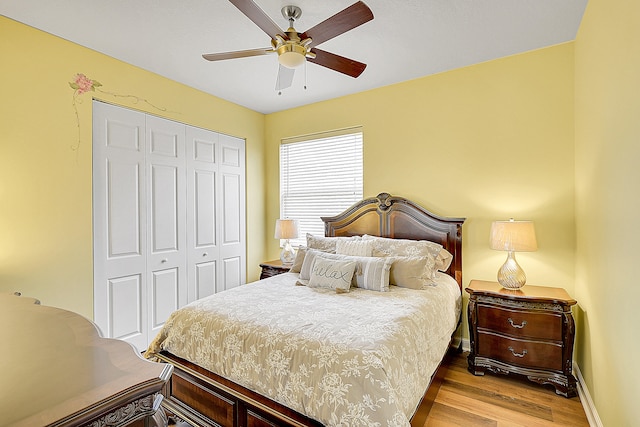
399, 218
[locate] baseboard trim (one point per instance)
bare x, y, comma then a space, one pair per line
466, 345
585, 398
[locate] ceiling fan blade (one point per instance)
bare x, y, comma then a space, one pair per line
285, 77
338, 63
236, 54
348, 19
257, 15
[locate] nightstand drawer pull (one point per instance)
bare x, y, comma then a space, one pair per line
517, 354
520, 326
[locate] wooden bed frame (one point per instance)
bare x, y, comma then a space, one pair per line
203, 398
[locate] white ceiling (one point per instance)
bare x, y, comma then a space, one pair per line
407, 39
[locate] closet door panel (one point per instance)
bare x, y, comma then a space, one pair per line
123, 209
165, 288
205, 274
164, 212
204, 217
232, 273
231, 209
126, 321
119, 218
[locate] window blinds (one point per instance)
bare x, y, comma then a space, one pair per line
319, 177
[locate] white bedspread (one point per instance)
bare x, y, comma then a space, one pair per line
362, 358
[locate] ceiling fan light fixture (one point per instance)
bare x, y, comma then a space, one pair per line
291, 55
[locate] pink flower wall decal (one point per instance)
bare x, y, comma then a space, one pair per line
82, 84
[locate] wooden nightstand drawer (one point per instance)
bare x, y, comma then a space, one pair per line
532, 354
521, 323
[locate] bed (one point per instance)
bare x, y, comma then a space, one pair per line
274, 353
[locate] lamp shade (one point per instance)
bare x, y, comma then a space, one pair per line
286, 229
515, 236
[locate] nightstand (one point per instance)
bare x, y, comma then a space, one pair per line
272, 268
529, 332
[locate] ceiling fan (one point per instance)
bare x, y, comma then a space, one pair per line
294, 48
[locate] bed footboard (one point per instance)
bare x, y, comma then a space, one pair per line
205, 399
202, 398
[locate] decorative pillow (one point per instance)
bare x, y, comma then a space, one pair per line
297, 263
383, 246
354, 247
411, 271
326, 244
444, 260
332, 274
307, 263
371, 273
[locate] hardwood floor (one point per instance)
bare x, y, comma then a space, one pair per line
496, 400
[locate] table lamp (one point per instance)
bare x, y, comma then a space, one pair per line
512, 236
286, 229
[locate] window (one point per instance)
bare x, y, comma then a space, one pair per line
320, 176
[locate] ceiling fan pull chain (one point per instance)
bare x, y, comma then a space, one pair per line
305, 74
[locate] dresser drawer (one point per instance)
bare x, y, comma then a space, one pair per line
532, 354
220, 409
518, 323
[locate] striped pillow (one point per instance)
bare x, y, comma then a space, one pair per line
354, 247
371, 272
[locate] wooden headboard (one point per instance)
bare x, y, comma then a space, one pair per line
398, 218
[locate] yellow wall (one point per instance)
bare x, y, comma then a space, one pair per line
490, 141
45, 186
607, 93
486, 142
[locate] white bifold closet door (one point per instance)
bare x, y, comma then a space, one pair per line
169, 219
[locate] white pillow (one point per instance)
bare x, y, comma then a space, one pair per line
383, 246
411, 271
444, 260
297, 263
354, 247
332, 274
326, 244
371, 273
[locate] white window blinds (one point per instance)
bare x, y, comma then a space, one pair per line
319, 177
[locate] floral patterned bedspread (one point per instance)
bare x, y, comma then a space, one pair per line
361, 358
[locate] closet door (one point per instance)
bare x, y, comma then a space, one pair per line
166, 219
169, 219
119, 218
231, 211
202, 212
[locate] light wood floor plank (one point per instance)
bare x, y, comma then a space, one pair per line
500, 401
